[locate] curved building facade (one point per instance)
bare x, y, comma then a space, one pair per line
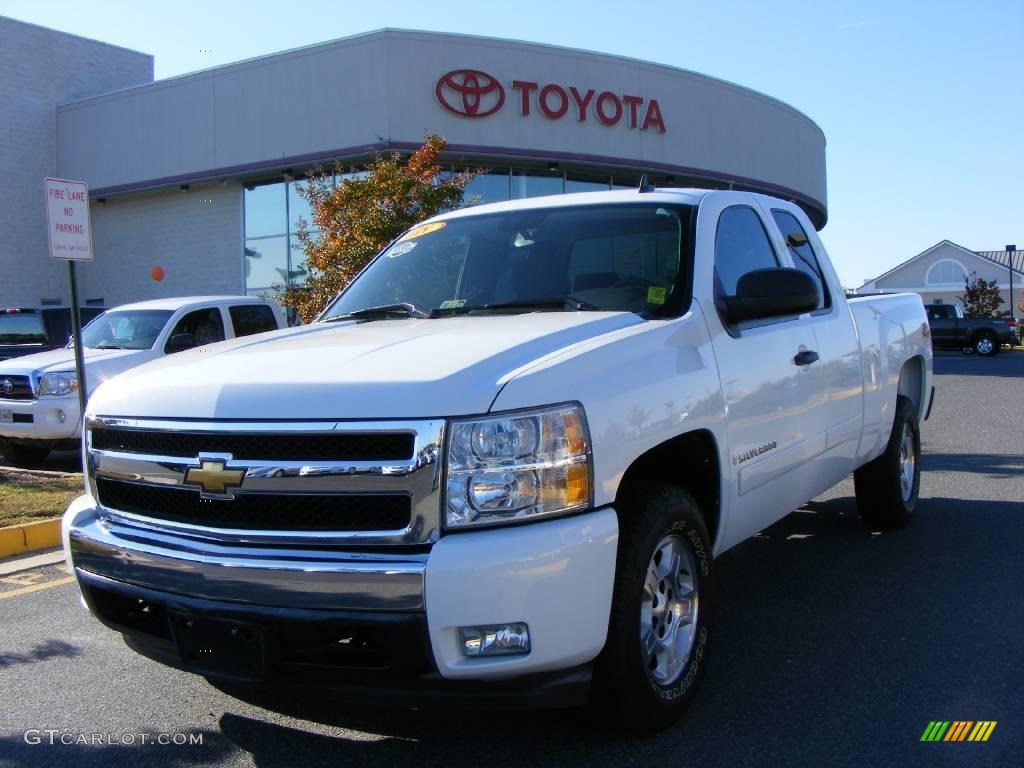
192, 173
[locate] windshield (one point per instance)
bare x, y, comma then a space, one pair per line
22, 328
130, 329
604, 257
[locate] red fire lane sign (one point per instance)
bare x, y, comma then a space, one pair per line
67, 219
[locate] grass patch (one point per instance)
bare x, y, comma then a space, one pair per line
27, 497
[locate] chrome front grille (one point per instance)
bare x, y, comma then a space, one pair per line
356, 483
351, 446
259, 511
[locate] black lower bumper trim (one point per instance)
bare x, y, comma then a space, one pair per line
251, 650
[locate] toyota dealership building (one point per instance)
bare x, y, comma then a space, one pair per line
197, 174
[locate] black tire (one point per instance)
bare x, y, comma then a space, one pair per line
985, 344
22, 455
625, 685
883, 498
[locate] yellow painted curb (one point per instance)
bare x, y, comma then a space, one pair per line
29, 537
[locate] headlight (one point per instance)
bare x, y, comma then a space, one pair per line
58, 384
518, 466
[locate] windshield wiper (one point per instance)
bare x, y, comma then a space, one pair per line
107, 346
385, 310
560, 302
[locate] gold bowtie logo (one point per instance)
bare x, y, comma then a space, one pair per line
213, 478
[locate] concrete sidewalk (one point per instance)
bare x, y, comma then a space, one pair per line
25, 562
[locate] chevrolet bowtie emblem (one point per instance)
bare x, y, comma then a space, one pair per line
213, 479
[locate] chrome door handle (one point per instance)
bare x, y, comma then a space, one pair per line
806, 357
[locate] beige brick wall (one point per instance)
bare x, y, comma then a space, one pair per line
39, 69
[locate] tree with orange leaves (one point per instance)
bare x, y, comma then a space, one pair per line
355, 220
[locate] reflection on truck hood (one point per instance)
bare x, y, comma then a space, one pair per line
406, 368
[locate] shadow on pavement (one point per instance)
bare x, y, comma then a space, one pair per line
41, 652
56, 461
1009, 364
993, 465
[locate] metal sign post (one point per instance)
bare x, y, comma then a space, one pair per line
1010, 250
76, 337
70, 235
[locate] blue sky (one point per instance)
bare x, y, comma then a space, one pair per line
921, 102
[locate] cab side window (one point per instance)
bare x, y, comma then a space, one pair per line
252, 318
802, 254
741, 246
204, 326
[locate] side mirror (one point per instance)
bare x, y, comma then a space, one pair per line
772, 292
179, 342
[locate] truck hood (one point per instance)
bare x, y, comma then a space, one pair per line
100, 364
398, 368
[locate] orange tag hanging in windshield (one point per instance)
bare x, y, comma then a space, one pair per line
422, 229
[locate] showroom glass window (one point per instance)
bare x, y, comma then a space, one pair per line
273, 256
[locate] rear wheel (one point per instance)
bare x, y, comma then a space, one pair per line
887, 487
661, 616
22, 455
985, 344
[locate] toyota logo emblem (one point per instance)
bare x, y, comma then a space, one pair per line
7, 386
470, 93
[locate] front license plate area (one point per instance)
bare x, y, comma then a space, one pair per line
6, 416
220, 647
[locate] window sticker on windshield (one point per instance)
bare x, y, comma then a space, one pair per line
399, 249
422, 229
453, 303
656, 295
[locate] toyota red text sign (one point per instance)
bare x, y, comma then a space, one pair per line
473, 93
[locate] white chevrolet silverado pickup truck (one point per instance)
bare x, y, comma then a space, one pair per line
500, 466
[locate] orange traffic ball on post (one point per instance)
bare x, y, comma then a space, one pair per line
157, 273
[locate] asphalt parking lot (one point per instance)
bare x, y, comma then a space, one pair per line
835, 646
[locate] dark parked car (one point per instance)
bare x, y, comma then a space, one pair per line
25, 330
982, 335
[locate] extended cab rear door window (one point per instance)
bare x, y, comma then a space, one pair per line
802, 254
248, 319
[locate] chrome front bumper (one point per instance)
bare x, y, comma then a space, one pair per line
203, 568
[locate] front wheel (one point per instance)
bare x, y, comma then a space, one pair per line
887, 487
985, 344
662, 609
